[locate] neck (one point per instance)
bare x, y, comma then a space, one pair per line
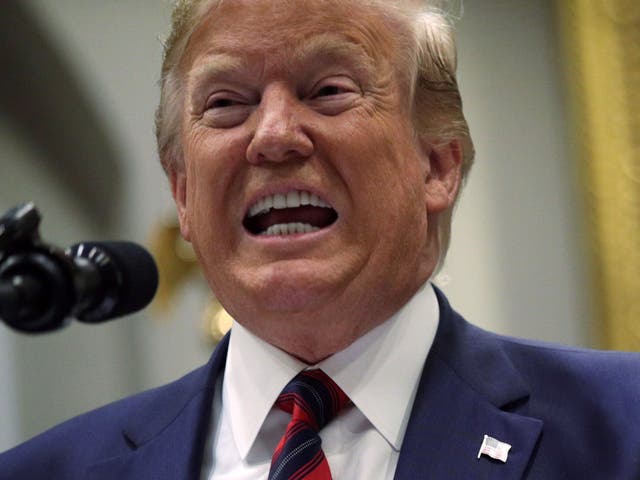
314, 336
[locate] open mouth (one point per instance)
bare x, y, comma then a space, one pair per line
294, 212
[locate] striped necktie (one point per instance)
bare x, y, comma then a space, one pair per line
313, 399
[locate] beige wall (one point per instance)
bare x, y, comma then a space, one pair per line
516, 262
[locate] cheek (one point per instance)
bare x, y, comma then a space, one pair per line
395, 186
201, 193
391, 167
215, 173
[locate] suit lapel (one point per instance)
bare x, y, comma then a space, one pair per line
446, 429
468, 389
167, 438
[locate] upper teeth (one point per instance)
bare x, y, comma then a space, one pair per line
292, 199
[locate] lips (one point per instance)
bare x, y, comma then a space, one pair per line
290, 213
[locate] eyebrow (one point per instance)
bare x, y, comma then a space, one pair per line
214, 65
329, 46
334, 47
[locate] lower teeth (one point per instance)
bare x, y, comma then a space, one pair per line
289, 229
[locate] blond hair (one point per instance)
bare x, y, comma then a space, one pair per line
429, 68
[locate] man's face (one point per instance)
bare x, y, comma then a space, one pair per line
304, 191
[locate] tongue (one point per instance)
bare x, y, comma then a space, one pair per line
316, 216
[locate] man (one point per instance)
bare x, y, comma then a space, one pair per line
315, 151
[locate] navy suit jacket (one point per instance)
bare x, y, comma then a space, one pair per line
568, 413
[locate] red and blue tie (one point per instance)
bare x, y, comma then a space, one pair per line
313, 400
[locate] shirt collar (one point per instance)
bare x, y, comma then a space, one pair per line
367, 371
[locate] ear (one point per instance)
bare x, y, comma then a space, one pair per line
443, 175
178, 181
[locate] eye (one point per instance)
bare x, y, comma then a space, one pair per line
333, 95
226, 109
328, 90
220, 103
334, 85
223, 100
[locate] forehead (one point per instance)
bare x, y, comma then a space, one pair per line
287, 28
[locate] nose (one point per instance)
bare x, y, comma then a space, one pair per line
280, 133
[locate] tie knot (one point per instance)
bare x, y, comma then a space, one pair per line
313, 398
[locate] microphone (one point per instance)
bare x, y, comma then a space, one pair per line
41, 288
118, 278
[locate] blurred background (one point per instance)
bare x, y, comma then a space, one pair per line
545, 240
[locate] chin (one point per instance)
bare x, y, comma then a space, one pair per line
291, 287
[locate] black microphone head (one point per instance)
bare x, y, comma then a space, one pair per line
128, 278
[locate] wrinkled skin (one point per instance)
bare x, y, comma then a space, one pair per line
307, 98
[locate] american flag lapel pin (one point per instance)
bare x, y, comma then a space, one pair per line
494, 448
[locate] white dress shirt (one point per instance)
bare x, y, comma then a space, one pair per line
379, 372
